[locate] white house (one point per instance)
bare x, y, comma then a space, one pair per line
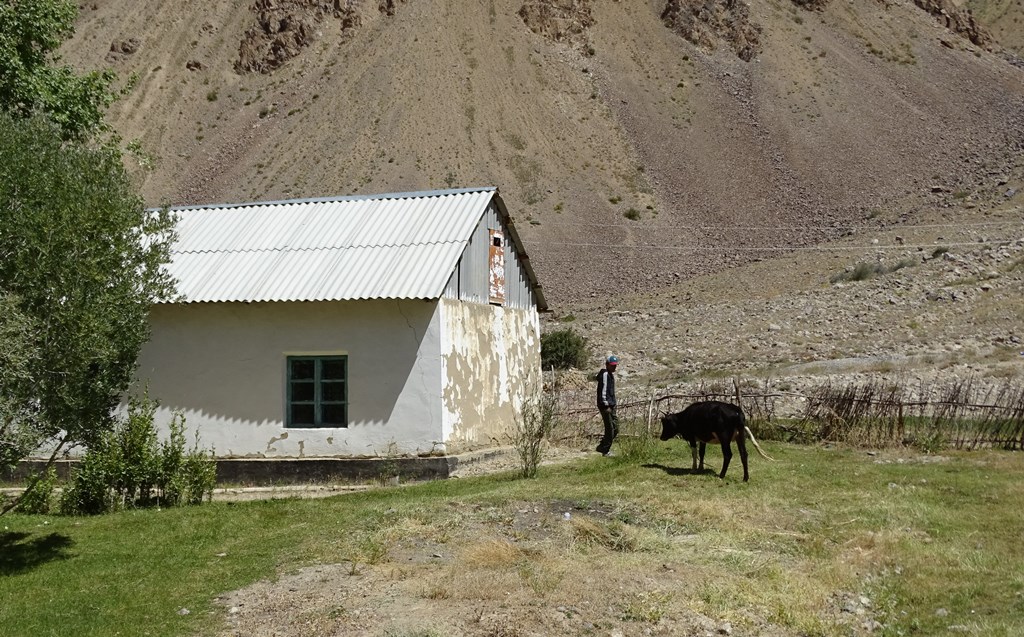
347, 327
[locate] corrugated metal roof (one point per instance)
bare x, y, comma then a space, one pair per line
402, 246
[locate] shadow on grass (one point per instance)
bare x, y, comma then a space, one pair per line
19, 552
679, 471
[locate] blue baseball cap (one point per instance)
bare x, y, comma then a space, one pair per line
613, 360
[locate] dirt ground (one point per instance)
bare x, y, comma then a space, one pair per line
513, 571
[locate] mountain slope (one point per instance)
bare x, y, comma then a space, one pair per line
1005, 19
612, 136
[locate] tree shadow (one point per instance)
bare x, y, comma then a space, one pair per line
20, 552
680, 471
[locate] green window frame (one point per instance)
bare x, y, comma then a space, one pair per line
317, 392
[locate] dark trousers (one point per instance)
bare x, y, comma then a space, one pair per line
611, 428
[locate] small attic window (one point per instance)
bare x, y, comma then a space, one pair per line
496, 266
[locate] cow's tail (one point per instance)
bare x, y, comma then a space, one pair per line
756, 446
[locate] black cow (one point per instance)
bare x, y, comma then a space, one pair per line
715, 422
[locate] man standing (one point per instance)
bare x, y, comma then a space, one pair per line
606, 404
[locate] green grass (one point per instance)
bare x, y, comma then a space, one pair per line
914, 536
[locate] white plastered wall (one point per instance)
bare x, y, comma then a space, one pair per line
223, 366
491, 358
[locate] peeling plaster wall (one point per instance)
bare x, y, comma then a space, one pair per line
491, 358
223, 366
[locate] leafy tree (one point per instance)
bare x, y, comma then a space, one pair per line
81, 261
31, 77
17, 354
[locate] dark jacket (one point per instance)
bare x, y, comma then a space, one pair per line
605, 389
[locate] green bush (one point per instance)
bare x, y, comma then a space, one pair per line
135, 462
186, 477
564, 349
129, 468
89, 491
37, 500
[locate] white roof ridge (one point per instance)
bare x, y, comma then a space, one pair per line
316, 248
326, 199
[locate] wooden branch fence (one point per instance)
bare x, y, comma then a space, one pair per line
963, 414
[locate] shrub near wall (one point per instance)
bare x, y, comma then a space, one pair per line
564, 349
130, 468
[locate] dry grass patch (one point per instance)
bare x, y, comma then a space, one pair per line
496, 569
646, 606
612, 535
492, 554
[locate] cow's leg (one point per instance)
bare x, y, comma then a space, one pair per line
703, 446
726, 455
742, 445
693, 452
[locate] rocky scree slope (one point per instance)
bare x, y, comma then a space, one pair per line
615, 131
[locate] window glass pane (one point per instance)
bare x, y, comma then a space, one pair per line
333, 391
333, 369
302, 391
317, 389
302, 369
302, 415
334, 415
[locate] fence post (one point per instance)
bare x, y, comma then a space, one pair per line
650, 413
900, 423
